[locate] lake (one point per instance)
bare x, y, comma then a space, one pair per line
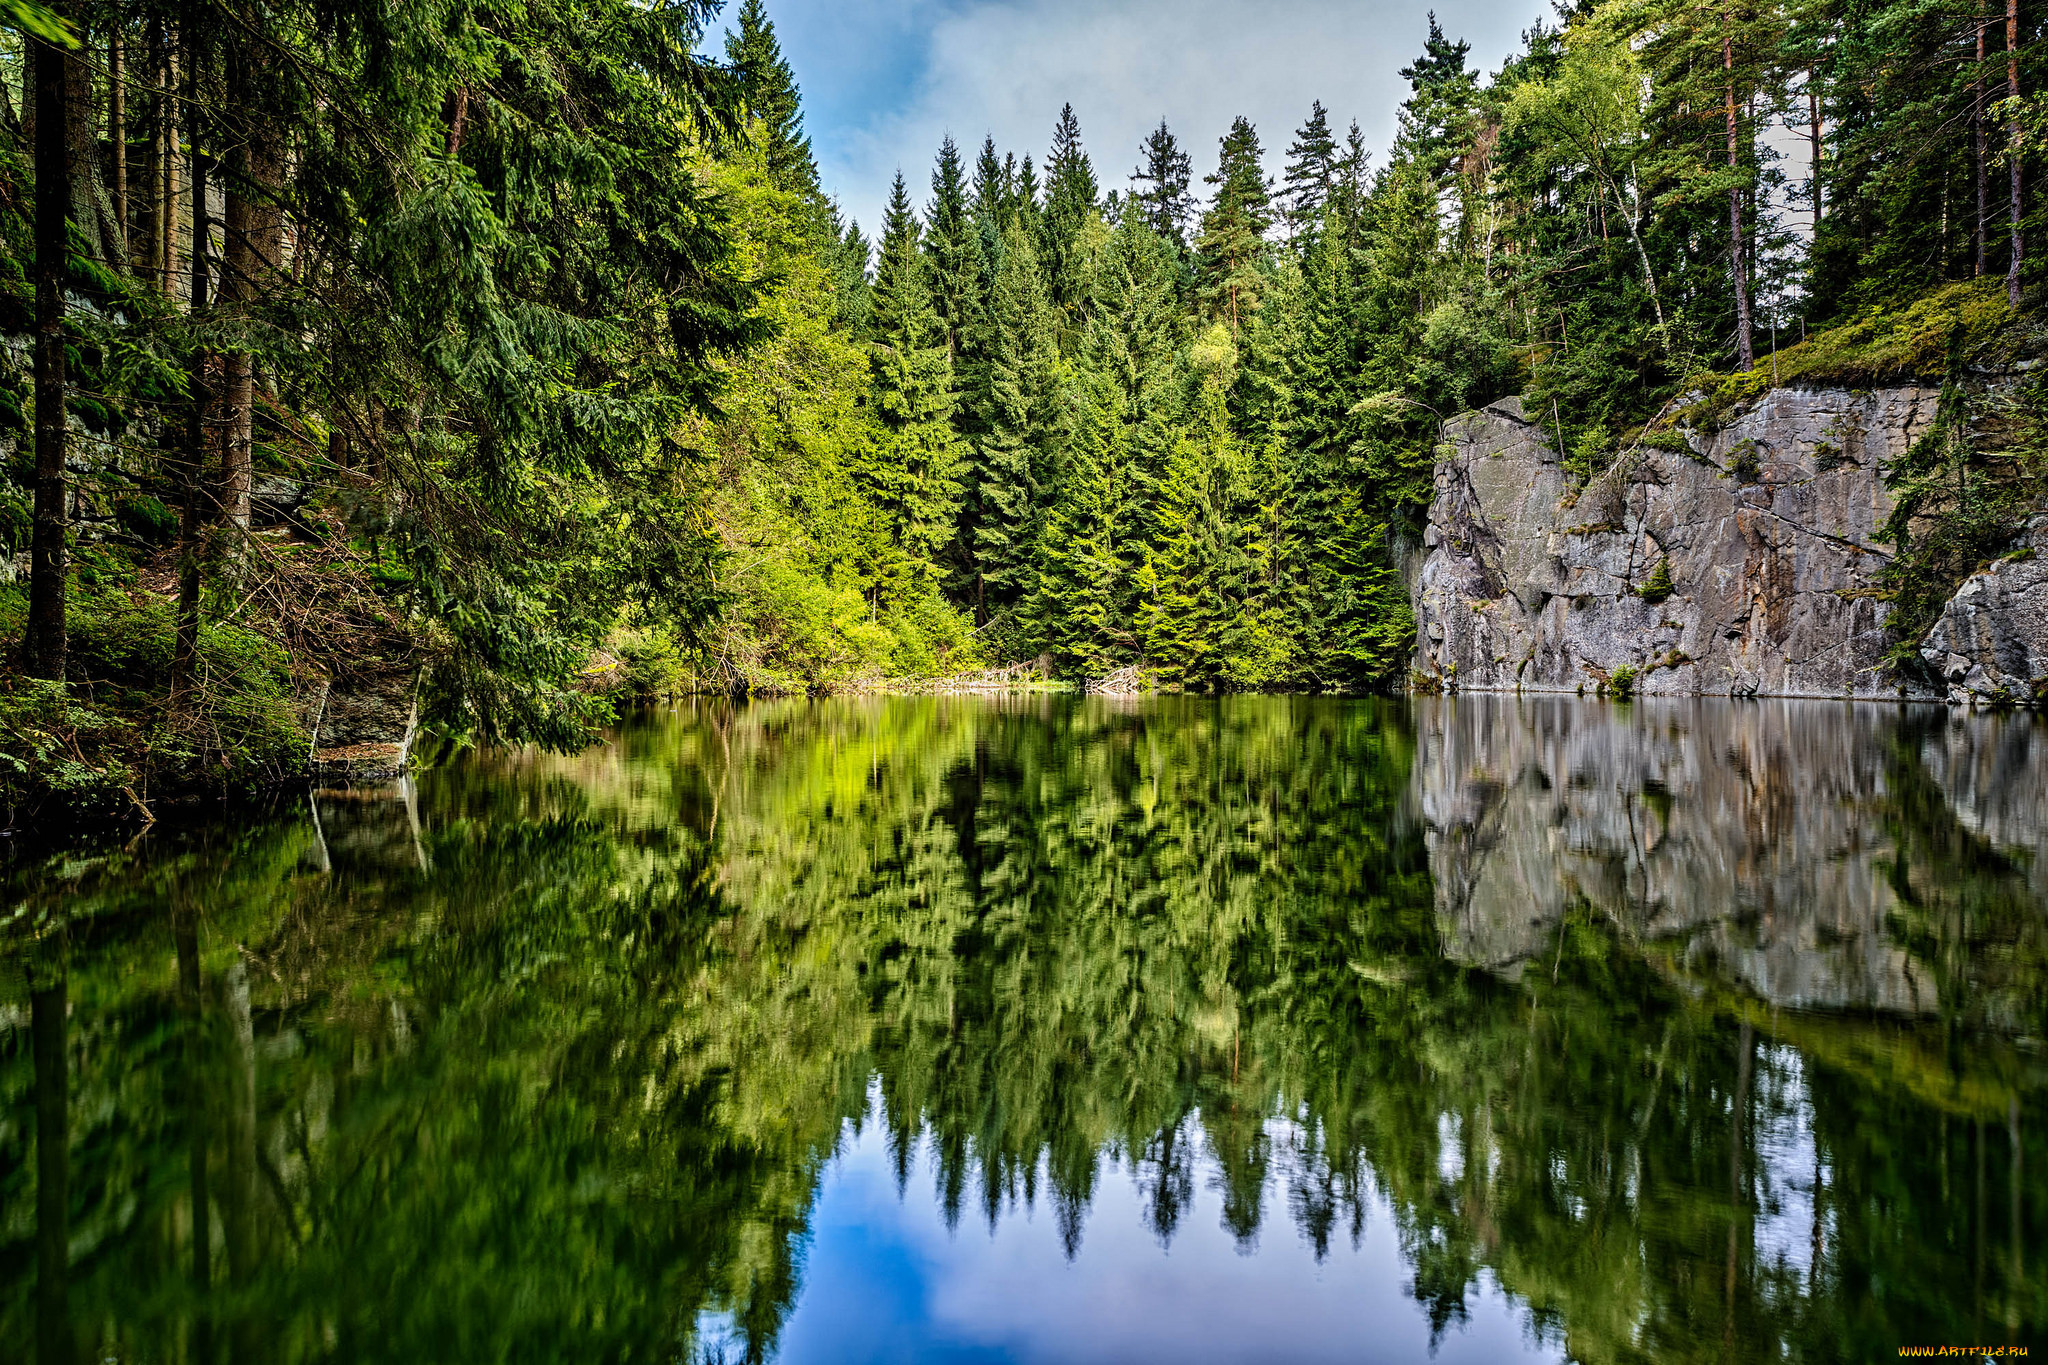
1057, 1029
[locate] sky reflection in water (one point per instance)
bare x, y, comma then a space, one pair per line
886, 1279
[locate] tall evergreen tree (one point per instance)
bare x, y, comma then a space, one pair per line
1197, 590
1163, 185
1071, 199
953, 251
1433, 118
1078, 611
915, 475
1018, 459
1233, 230
852, 289
994, 184
900, 287
1314, 167
768, 92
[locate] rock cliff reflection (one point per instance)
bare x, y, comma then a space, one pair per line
1311, 1029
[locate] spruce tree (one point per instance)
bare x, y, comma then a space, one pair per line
994, 183
953, 251
1197, 593
1078, 611
1163, 185
900, 287
1024, 202
1313, 171
1016, 462
768, 92
1071, 199
915, 475
852, 289
1233, 230
1131, 351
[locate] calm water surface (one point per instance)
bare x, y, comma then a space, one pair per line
1260, 1029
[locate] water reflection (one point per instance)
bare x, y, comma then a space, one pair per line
1667, 1032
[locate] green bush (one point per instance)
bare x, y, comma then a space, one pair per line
1621, 683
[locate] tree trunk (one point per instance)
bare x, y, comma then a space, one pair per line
254, 239
117, 133
237, 379
47, 640
146, 251
2012, 78
199, 498
167, 242
1813, 117
1983, 232
91, 211
458, 116
1745, 351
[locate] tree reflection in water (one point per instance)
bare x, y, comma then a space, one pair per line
1708, 1030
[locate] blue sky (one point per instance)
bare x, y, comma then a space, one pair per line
884, 80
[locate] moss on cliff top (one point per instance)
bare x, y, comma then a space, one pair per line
1905, 344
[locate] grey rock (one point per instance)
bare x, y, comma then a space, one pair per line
1990, 643
1768, 524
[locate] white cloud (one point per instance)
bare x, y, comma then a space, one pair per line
1004, 67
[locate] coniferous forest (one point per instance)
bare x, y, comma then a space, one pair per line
520, 351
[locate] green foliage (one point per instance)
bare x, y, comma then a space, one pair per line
106, 741
1658, 587
1921, 339
1621, 683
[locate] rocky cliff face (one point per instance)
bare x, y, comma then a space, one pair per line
1743, 564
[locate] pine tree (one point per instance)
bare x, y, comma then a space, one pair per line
768, 92
1433, 119
1233, 230
1163, 185
1314, 167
